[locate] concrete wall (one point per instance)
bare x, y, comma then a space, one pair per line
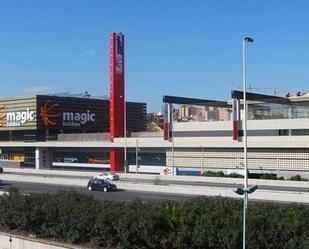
10, 164
301, 123
8, 241
275, 159
84, 137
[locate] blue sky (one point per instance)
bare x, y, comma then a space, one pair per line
185, 48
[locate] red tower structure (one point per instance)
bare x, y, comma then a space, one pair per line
117, 98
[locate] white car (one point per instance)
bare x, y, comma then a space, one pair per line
107, 176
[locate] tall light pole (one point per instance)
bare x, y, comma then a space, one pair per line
173, 149
245, 191
245, 230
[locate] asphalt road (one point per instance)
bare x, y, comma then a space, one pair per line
176, 182
119, 195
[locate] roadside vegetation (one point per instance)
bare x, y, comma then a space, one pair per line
255, 176
213, 223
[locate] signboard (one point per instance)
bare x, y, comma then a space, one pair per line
18, 114
236, 117
2, 116
117, 94
167, 121
77, 118
67, 114
70, 113
117, 97
42, 158
19, 118
119, 53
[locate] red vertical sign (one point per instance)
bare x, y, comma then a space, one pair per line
117, 97
167, 121
116, 85
236, 117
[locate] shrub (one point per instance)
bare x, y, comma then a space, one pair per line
235, 175
200, 222
213, 173
297, 178
221, 174
269, 176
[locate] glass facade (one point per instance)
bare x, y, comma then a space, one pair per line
81, 157
277, 111
158, 159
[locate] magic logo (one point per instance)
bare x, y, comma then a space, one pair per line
50, 116
2, 115
119, 54
16, 118
119, 45
77, 118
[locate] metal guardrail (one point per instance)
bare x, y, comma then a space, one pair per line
147, 134
102, 136
84, 137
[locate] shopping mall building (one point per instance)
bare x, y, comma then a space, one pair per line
42, 119
80, 132
61, 131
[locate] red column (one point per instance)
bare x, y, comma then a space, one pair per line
167, 121
236, 118
116, 107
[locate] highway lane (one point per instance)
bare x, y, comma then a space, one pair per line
174, 182
119, 195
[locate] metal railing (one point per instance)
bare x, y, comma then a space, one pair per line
84, 137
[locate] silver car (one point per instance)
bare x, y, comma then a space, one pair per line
107, 176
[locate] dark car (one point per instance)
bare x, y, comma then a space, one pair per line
97, 184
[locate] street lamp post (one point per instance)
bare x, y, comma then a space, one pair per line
172, 133
245, 40
245, 190
136, 156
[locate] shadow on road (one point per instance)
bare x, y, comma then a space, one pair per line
3, 185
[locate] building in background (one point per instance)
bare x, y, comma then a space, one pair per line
187, 113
